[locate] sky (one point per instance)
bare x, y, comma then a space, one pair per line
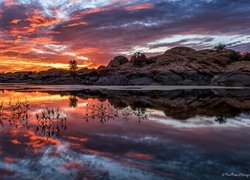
37, 35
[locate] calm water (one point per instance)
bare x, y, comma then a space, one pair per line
50, 133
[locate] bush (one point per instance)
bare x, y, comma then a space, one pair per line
138, 59
220, 47
246, 57
235, 56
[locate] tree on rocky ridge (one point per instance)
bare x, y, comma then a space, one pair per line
73, 66
220, 47
138, 59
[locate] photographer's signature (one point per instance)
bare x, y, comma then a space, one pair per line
236, 175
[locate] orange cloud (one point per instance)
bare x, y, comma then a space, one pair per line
15, 141
76, 24
91, 11
139, 7
15, 21
37, 21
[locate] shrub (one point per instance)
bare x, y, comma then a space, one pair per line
246, 57
235, 56
138, 59
220, 47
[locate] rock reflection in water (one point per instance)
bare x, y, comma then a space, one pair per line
96, 135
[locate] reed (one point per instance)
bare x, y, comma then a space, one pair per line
16, 113
50, 122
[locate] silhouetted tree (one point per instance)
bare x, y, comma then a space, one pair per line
73, 66
220, 47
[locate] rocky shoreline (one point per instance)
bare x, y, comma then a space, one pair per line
177, 66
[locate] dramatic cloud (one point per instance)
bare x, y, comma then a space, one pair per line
37, 35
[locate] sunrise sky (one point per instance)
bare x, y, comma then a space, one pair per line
40, 34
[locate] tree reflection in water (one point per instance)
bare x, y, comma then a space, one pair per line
50, 122
221, 119
73, 101
104, 112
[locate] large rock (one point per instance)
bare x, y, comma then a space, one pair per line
167, 78
117, 61
52, 73
181, 51
141, 81
112, 80
236, 74
177, 66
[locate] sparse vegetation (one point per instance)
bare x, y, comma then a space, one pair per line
235, 56
138, 59
221, 119
50, 122
104, 112
16, 113
220, 47
246, 57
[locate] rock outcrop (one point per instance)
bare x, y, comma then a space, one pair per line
112, 80
117, 61
236, 74
177, 66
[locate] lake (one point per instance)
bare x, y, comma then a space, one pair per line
77, 132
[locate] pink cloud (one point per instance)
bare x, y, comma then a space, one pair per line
139, 7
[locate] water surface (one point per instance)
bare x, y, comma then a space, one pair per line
63, 133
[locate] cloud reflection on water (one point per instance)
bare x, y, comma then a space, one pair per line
157, 147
